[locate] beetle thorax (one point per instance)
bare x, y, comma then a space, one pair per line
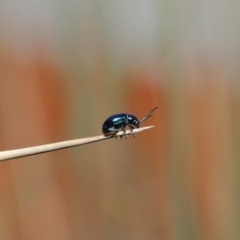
132, 120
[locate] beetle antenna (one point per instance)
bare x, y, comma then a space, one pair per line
148, 115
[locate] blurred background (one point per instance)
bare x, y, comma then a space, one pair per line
65, 66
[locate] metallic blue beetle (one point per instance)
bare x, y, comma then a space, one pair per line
120, 121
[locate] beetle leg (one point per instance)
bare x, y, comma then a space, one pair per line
113, 134
124, 130
131, 127
119, 136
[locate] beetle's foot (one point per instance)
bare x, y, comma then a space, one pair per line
125, 134
132, 130
116, 136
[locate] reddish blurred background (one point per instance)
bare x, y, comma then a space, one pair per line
65, 66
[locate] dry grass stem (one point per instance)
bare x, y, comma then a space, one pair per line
23, 152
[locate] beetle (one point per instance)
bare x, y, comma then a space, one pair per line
120, 121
